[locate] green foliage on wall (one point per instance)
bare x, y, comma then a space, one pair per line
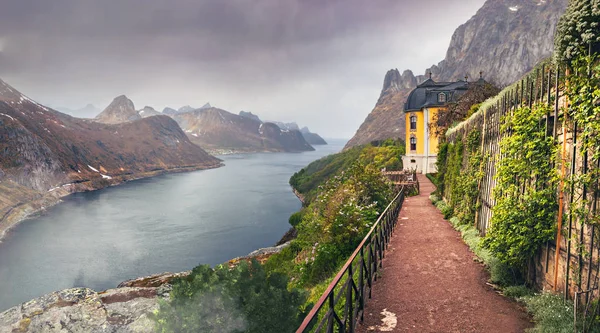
524, 215
459, 173
239, 299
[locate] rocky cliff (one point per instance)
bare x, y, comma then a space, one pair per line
218, 130
45, 154
119, 111
504, 40
127, 308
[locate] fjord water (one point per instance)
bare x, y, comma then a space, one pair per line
166, 223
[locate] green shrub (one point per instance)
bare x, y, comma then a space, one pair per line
517, 292
434, 198
455, 221
550, 313
239, 299
296, 218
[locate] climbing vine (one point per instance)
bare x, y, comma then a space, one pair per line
583, 92
459, 172
525, 193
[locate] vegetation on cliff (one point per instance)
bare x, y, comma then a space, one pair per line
381, 154
347, 194
240, 299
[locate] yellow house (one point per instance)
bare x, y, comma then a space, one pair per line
422, 104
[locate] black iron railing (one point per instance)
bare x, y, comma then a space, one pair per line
342, 304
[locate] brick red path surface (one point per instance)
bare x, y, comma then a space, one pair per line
431, 283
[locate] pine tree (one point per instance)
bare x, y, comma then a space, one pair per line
577, 30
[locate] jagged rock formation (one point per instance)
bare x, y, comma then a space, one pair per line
312, 138
45, 154
504, 39
119, 111
387, 119
148, 111
218, 130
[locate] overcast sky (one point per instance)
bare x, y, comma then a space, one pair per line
320, 63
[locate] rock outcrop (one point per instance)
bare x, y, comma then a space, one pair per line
504, 40
125, 309
119, 111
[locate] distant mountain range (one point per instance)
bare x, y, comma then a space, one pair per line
504, 39
220, 131
46, 154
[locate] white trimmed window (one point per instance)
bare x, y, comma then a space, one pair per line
413, 143
441, 97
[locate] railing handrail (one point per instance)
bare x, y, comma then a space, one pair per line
331, 287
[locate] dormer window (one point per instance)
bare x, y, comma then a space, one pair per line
413, 143
413, 122
441, 97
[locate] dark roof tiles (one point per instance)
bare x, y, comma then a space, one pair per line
426, 94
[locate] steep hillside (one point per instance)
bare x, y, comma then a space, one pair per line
216, 129
504, 39
119, 111
45, 154
312, 138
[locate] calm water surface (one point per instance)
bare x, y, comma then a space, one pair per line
166, 223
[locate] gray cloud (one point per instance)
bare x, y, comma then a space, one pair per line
320, 63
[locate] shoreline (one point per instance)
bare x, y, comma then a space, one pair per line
32, 208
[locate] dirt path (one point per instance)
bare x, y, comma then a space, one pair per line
430, 282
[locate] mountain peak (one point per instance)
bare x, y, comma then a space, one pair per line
120, 110
206, 106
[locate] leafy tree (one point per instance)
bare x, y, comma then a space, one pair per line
577, 30
239, 299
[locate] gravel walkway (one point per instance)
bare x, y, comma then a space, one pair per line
431, 283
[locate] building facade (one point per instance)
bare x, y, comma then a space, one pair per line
420, 110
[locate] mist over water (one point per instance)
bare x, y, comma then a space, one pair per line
167, 223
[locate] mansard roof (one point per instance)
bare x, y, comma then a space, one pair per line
426, 93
